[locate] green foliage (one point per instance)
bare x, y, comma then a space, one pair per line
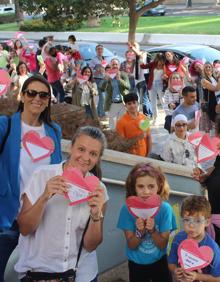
43, 25
7, 18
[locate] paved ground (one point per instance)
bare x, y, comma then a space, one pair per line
195, 10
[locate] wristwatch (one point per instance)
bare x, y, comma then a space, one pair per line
96, 219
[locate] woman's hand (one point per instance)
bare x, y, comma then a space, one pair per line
140, 224
56, 185
199, 174
96, 202
150, 224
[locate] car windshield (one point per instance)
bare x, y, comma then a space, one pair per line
205, 54
88, 52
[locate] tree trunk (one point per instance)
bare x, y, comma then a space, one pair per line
93, 21
19, 14
133, 20
188, 3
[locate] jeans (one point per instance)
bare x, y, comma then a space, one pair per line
144, 98
100, 107
8, 242
153, 98
58, 90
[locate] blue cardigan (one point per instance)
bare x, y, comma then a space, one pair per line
9, 165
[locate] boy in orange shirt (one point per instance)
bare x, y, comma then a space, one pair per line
128, 126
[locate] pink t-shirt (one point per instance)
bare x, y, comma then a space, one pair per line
52, 75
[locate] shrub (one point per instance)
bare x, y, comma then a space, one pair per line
8, 18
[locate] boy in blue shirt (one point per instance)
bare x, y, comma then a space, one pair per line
196, 213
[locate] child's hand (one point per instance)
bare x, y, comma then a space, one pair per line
150, 224
140, 224
179, 273
190, 276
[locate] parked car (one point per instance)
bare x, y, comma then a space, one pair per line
160, 10
7, 9
192, 51
88, 52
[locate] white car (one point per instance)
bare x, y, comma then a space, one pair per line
7, 9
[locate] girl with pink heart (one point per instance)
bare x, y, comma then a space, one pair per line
52, 231
16, 162
147, 239
194, 255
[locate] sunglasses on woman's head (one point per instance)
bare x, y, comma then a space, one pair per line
33, 93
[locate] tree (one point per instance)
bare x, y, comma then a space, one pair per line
81, 9
135, 13
19, 13
188, 3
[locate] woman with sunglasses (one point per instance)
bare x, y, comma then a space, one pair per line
24, 139
177, 148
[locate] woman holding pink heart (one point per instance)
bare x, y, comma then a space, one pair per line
147, 239
85, 92
28, 139
53, 229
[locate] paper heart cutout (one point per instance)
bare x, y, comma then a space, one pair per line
195, 138
177, 85
192, 257
172, 68
82, 78
207, 148
37, 147
144, 124
104, 63
112, 73
5, 82
79, 186
147, 208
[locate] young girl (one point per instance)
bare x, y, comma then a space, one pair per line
172, 97
147, 239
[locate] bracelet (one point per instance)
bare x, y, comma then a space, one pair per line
96, 219
139, 234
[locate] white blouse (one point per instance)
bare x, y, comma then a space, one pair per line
54, 246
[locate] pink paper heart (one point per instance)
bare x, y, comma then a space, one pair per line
207, 149
147, 208
5, 82
82, 78
37, 147
177, 85
80, 186
112, 73
192, 257
195, 138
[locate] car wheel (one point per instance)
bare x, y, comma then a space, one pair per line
162, 14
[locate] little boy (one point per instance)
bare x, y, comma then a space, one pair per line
196, 213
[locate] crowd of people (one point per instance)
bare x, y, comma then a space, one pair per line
54, 238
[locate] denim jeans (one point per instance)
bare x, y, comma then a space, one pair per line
144, 98
8, 242
100, 107
58, 90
